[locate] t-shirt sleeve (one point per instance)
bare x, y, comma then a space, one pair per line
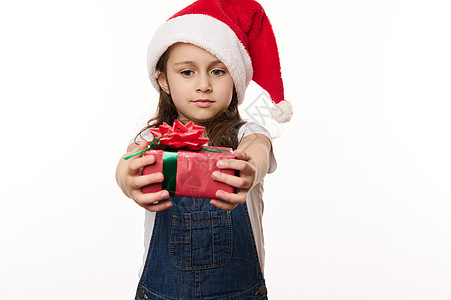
251, 128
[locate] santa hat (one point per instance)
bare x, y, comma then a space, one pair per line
239, 34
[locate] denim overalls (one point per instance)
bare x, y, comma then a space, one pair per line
198, 251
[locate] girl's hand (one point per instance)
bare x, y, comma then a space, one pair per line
242, 183
130, 179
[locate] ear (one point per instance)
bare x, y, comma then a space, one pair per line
163, 82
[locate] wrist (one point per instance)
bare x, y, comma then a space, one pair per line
256, 172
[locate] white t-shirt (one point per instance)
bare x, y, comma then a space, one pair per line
254, 199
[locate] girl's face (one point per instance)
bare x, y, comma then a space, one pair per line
199, 84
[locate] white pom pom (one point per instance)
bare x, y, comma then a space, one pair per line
282, 112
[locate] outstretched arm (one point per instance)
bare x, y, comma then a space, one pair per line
252, 162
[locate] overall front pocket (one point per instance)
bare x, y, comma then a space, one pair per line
201, 240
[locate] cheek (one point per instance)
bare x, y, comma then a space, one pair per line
178, 89
230, 93
227, 90
226, 98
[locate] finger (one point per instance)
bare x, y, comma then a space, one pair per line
234, 164
222, 205
149, 198
158, 206
133, 148
141, 181
235, 181
139, 163
241, 154
142, 145
238, 198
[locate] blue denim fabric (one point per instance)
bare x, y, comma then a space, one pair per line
198, 251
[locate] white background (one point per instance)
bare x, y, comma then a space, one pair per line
359, 207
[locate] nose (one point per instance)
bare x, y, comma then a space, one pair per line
203, 83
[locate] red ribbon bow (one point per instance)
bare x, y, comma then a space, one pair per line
179, 135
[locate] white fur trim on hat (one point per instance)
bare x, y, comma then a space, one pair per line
210, 34
282, 112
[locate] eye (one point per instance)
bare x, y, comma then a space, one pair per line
187, 73
217, 72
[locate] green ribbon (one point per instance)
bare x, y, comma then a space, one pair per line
169, 171
213, 149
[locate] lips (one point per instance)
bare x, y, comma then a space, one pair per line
203, 102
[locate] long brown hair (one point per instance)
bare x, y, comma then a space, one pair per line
222, 130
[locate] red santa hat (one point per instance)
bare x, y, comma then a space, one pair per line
239, 34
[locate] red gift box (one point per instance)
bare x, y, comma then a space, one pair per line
193, 173
187, 165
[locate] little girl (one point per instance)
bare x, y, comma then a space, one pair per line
201, 61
